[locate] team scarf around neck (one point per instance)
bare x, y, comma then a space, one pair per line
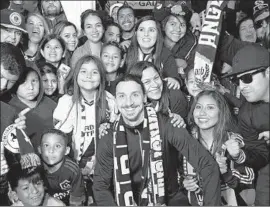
152, 187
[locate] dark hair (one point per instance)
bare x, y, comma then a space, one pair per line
46, 68
225, 119
60, 26
239, 24
137, 71
115, 44
55, 132
125, 6
12, 58
129, 77
50, 37
165, 21
132, 53
113, 24
88, 12
31, 174
22, 79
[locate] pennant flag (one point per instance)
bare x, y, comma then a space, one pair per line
208, 41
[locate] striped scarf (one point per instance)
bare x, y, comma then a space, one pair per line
152, 187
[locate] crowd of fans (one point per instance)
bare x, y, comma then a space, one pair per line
112, 113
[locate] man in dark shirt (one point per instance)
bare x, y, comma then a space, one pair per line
134, 155
251, 71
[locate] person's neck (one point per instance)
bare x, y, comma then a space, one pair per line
52, 169
88, 95
266, 98
147, 50
51, 17
128, 35
136, 122
30, 104
95, 48
111, 76
207, 137
168, 43
32, 48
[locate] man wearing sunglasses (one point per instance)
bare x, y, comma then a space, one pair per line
251, 73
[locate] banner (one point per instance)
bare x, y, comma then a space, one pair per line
208, 41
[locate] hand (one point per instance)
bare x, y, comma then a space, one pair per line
195, 22
233, 147
19, 123
3, 164
265, 136
190, 183
103, 129
222, 163
125, 44
222, 89
172, 83
181, 64
177, 120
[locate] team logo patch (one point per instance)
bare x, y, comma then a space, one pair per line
65, 185
10, 140
15, 19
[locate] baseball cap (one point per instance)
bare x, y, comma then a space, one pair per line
12, 19
249, 58
260, 11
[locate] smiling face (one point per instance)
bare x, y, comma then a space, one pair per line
206, 112
35, 29
51, 8
29, 90
147, 34
111, 58
175, 29
112, 34
10, 35
30, 193
247, 31
53, 148
70, 36
152, 83
53, 51
93, 28
126, 19
49, 83
89, 77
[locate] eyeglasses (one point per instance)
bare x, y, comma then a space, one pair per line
247, 78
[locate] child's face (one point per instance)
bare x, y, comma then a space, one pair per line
53, 148
112, 34
191, 84
49, 83
111, 58
29, 90
89, 77
53, 51
29, 193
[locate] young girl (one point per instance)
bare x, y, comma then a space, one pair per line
147, 45
212, 127
68, 32
82, 111
168, 101
50, 81
112, 59
53, 49
28, 93
93, 29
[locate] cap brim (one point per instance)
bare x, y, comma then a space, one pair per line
262, 16
14, 27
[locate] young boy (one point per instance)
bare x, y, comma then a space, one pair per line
28, 187
112, 56
63, 176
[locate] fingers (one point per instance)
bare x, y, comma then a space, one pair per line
190, 184
264, 135
25, 111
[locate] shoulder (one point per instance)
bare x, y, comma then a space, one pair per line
54, 202
176, 94
165, 53
70, 167
49, 102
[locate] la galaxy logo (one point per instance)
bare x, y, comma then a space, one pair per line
10, 140
15, 18
65, 185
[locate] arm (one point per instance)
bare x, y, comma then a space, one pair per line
104, 172
201, 160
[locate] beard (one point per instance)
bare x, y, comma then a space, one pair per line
52, 11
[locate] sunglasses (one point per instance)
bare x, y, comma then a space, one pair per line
247, 78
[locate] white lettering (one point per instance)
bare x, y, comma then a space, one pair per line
207, 40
